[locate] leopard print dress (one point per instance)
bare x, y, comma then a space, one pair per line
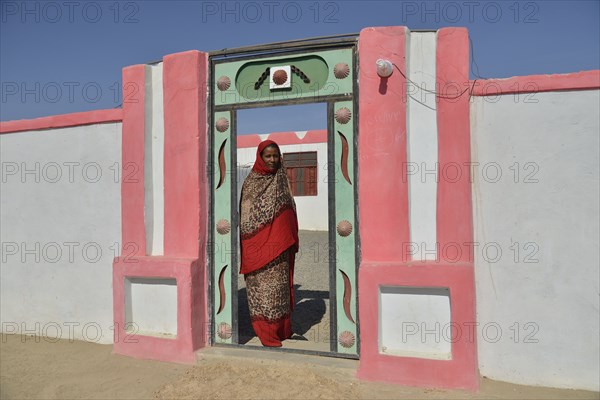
269, 290
263, 198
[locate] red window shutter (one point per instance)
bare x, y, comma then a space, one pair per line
291, 174
302, 172
311, 181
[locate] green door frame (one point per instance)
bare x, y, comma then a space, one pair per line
341, 96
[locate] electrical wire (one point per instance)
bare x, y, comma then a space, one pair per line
474, 68
473, 62
434, 92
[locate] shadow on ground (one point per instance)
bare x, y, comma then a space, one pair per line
307, 317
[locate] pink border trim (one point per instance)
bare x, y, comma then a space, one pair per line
62, 121
132, 169
454, 216
185, 81
284, 138
186, 150
189, 275
584, 80
383, 194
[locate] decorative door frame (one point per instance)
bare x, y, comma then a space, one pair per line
336, 85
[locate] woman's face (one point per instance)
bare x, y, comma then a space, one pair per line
270, 156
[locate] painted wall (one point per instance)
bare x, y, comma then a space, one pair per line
154, 148
535, 194
165, 214
413, 292
61, 229
534, 161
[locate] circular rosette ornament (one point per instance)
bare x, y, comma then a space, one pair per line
341, 70
223, 83
343, 115
224, 331
344, 228
223, 227
346, 339
222, 124
280, 77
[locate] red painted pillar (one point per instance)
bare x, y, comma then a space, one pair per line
454, 208
185, 77
185, 81
382, 146
186, 149
132, 169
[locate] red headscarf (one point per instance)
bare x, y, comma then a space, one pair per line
259, 164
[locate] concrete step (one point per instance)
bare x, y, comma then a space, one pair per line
241, 353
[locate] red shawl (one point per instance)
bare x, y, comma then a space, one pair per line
268, 221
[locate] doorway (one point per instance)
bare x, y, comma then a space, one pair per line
301, 132
321, 163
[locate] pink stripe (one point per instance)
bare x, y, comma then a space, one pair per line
132, 178
383, 195
62, 121
246, 141
185, 80
454, 224
585, 80
283, 138
186, 210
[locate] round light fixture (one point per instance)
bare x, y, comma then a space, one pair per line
384, 68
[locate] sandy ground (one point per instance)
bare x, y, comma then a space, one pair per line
80, 370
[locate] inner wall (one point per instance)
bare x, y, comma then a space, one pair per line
307, 163
151, 306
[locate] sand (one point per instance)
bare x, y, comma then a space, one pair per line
80, 370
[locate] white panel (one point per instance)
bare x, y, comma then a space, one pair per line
154, 147
415, 322
535, 198
245, 161
422, 157
60, 230
151, 306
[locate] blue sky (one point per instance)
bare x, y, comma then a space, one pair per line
58, 57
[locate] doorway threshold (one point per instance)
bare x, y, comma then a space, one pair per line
285, 356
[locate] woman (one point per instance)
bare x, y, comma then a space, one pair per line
269, 242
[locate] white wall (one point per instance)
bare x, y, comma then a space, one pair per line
151, 306
61, 225
415, 322
154, 165
422, 143
542, 290
312, 210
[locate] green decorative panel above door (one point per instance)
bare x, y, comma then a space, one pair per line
311, 75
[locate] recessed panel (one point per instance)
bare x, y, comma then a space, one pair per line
415, 322
151, 306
